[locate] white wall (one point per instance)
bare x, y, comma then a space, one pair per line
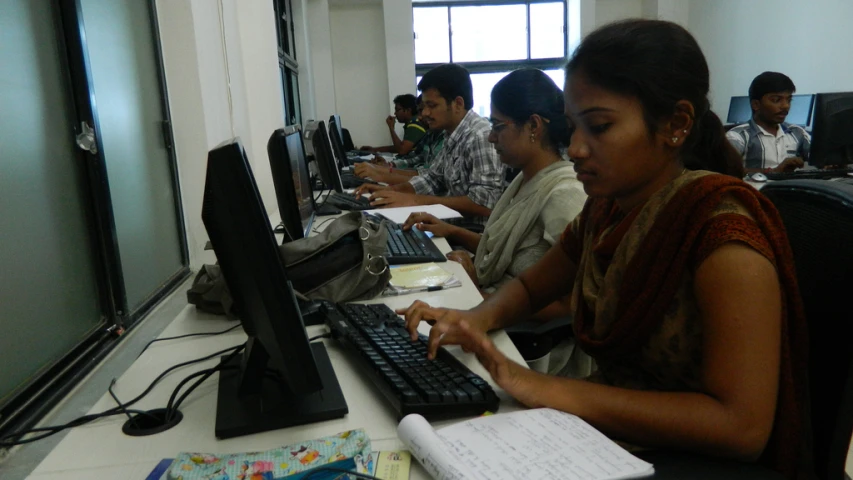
321, 74
399, 46
262, 94
580, 21
672, 10
808, 41
221, 69
362, 95
607, 11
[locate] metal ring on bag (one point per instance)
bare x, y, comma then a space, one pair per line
373, 263
366, 233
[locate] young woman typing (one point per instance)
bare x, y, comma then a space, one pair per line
680, 275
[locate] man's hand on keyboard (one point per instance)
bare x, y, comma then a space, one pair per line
367, 188
444, 321
391, 198
365, 169
790, 164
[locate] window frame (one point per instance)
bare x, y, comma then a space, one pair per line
287, 63
495, 66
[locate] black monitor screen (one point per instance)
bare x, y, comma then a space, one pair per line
292, 184
307, 134
281, 375
337, 144
740, 110
800, 112
329, 170
301, 181
832, 130
335, 120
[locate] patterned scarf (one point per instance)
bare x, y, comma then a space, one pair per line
631, 267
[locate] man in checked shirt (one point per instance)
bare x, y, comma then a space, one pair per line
467, 175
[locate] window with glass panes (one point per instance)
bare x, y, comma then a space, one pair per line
287, 64
490, 39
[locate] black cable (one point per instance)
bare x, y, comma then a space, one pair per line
320, 192
74, 423
202, 334
51, 430
120, 405
317, 470
317, 337
172, 407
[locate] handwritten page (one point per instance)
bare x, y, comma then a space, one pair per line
400, 214
534, 444
426, 446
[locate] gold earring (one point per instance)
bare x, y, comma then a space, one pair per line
674, 139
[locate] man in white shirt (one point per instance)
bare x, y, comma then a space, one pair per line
766, 142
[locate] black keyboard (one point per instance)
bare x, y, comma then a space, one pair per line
809, 174
379, 344
346, 201
359, 153
348, 180
410, 246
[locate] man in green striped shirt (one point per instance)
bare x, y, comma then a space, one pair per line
405, 112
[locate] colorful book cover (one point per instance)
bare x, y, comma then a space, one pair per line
347, 450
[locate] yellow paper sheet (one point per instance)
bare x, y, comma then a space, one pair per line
420, 275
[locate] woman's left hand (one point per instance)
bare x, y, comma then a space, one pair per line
462, 257
516, 380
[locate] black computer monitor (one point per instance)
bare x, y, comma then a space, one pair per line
832, 130
337, 143
292, 183
281, 379
800, 112
335, 120
740, 110
326, 164
307, 133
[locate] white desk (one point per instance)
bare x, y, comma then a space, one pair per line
101, 450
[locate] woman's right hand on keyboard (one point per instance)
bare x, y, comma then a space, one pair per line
428, 223
445, 324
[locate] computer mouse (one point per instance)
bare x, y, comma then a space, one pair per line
758, 177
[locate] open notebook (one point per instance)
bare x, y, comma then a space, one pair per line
536, 444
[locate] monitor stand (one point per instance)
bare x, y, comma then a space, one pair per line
274, 408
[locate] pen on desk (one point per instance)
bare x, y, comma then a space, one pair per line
432, 288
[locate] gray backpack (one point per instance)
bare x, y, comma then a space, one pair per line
345, 262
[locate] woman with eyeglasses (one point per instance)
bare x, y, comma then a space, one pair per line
681, 277
529, 132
